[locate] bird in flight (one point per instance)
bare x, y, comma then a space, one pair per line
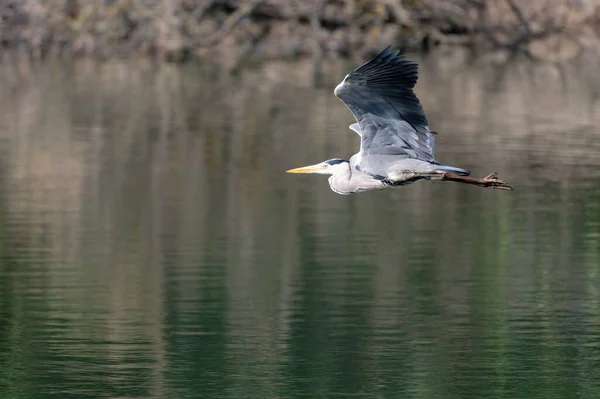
396, 145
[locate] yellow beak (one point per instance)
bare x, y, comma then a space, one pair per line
307, 169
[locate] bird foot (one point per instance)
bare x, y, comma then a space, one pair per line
493, 181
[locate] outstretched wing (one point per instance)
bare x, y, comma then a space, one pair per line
392, 121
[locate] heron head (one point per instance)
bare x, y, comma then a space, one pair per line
329, 167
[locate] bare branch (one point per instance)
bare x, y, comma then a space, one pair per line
520, 15
229, 24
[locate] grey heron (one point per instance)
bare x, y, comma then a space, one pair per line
396, 145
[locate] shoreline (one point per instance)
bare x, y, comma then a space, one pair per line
234, 31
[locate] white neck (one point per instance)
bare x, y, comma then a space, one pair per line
340, 181
348, 181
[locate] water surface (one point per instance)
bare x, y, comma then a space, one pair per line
151, 245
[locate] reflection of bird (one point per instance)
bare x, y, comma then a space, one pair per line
396, 146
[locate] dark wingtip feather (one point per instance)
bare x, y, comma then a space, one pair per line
389, 68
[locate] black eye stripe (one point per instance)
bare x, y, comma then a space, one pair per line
335, 161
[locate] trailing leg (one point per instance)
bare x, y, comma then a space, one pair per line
490, 181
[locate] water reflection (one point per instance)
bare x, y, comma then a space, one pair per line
153, 247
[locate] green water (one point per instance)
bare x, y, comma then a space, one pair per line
152, 247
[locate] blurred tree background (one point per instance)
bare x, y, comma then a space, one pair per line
177, 30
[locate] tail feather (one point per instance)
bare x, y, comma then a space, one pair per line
453, 169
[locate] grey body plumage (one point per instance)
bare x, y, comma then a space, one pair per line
396, 145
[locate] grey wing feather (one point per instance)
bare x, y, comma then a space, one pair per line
392, 121
355, 127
